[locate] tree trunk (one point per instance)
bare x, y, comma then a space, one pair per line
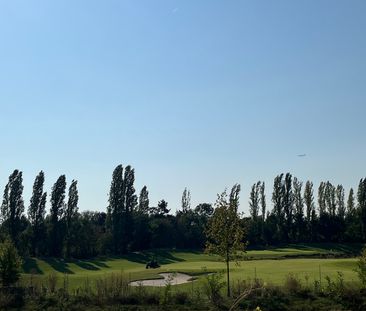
228, 275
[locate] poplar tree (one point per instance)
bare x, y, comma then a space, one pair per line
310, 207
288, 205
12, 207
299, 208
56, 230
122, 203
116, 208
351, 202
186, 200
361, 198
143, 206
278, 211
70, 215
263, 201
341, 208
254, 200
36, 215
321, 199
263, 206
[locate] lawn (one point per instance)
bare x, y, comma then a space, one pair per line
272, 265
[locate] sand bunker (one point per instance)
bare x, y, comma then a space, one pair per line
168, 278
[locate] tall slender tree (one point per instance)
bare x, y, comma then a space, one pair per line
254, 201
341, 208
263, 206
288, 205
12, 207
56, 229
70, 216
310, 208
321, 199
361, 199
116, 208
36, 215
278, 210
299, 209
351, 202
143, 206
122, 203
186, 200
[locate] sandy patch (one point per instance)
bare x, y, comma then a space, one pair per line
168, 278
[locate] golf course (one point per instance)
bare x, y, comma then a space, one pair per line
307, 262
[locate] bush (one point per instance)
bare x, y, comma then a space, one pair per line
212, 288
361, 268
10, 263
292, 284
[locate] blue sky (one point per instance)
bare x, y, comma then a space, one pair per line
197, 94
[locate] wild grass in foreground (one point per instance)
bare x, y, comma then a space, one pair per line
113, 292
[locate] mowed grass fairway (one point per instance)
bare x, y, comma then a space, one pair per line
271, 265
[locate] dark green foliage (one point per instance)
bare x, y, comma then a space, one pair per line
56, 225
361, 198
129, 225
122, 203
12, 208
36, 216
144, 203
224, 233
70, 217
10, 263
186, 200
361, 268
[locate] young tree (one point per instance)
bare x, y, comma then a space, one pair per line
186, 200
70, 215
10, 264
12, 207
56, 230
36, 214
224, 233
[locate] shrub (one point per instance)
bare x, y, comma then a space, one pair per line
361, 268
10, 263
212, 288
180, 298
292, 283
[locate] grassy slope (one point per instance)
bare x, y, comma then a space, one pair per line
193, 262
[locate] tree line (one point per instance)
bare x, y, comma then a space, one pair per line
52, 225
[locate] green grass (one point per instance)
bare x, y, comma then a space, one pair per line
271, 265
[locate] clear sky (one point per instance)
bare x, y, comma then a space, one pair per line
197, 94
